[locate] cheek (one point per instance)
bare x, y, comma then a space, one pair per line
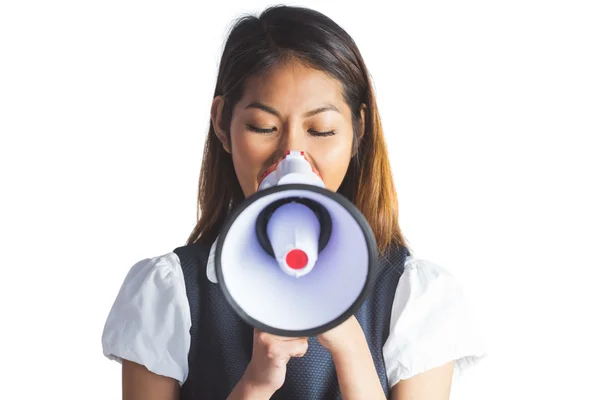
249, 155
332, 157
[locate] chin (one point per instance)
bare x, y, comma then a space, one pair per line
250, 192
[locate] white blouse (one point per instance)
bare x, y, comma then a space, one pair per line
149, 322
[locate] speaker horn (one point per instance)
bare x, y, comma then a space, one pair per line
295, 259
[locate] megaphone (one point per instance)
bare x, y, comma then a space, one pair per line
295, 259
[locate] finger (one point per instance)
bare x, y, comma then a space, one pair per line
282, 338
278, 356
290, 339
297, 348
278, 350
268, 337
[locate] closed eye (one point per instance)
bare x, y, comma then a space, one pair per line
260, 130
318, 133
271, 130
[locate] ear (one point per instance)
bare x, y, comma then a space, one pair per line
361, 130
216, 117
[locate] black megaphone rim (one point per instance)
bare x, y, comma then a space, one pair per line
371, 250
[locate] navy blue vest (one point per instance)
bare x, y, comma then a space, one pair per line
221, 343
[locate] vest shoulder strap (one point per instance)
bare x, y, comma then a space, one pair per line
193, 259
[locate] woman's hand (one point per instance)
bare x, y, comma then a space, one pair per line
342, 338
270, 355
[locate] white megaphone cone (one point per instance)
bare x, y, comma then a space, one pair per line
295, 259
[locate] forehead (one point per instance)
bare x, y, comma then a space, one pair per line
293, 85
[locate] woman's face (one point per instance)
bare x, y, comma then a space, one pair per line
292, 107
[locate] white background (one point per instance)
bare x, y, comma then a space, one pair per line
492, 116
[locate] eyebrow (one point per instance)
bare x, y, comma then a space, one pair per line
271, 110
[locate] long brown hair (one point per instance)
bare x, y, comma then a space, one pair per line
256, 44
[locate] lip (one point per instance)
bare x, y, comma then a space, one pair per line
266, 171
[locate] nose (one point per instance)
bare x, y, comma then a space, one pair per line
293, 138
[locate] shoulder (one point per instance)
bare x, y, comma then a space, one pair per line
422, 275
431, 323
165, 267
149, 320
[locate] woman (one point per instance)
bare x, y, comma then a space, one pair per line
290, 79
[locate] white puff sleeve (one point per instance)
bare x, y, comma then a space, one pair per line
430, 324
149, 321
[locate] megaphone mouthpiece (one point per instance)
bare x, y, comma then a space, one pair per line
293, 167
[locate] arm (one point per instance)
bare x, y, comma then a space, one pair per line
135, 332
245, 390
356, 373
431, 333
430, 385
141, 384
354, 366
266, 371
